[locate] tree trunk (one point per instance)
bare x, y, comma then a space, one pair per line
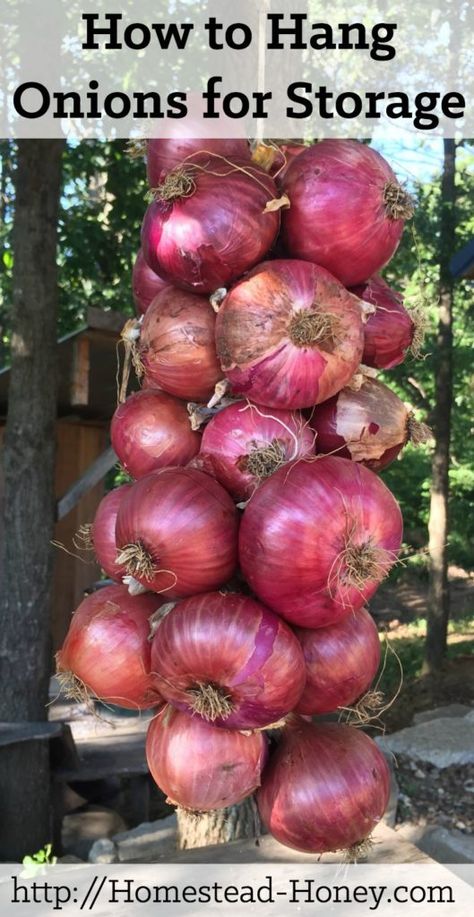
29, 499
438, 595
219, 826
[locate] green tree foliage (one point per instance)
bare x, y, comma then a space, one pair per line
415, 270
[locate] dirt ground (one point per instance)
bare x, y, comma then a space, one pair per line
428, 795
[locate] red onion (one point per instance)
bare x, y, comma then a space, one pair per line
177, 345
325, 789
107, 650
151, 430
208, 223
289, 335
200, 767
165, 154
390, 330
244, 444
229, 660
341, 662
368, 424
177, 532
347, 209
317, 538
145, 284
102, 532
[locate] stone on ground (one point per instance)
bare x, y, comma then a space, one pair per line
441, 742
148, 841
448, 711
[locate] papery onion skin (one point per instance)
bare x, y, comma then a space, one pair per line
145, 284
257, 326
166, 153
325, 788
177, 345
187, 524
200, 767
241, 430
390, 330
210, 237
368, 425
338, 217
236, 645
341, 662
295, 535
108, 650
151, 430
103, 532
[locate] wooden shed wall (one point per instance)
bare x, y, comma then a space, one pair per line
78, 444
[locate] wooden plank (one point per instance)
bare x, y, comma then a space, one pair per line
80, 371
89, 479
12, 733
111, 322
106, 757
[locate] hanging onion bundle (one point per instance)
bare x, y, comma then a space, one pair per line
390, 331
341, 662
200, 767
177, 532
347, 209
243, 444
102, 533
289, 335
317, 539
177, 345
367, 423
106, 652
326, 787
145, 284
229, 660
209, 222
151, 430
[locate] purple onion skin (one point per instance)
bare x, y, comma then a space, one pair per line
145, 284
211, 237
325, 789
338, 218
233, 642
202, 768
330, 442
295, 531
341, 662
389, 330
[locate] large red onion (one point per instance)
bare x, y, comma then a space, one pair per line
106, 652
150, 430
166, 153
145, 284
177, 532
367, 423
289, 335
390, 330
177, 345
228, 659
243, 444
208, 223
317, 538
341, 662
347, 209
102, 532
200, 767
325, 789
